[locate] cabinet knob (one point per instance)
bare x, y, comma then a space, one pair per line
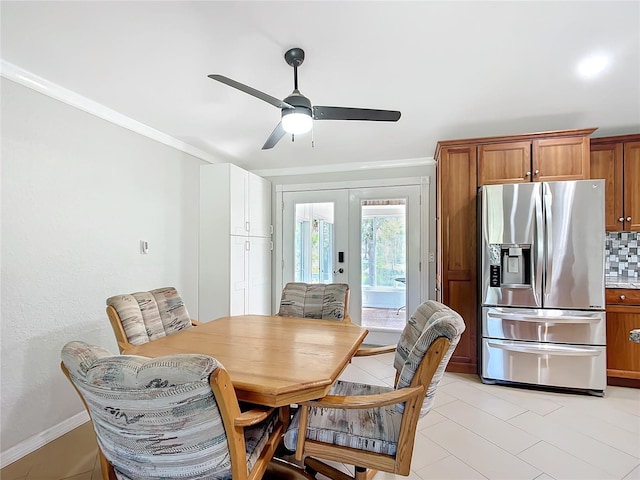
628, 219
528, 174
621, 219
536, 172
623, 297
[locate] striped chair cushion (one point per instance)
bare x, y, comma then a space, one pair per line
314, 300
374, 429
148, 316
157, 418
430, 321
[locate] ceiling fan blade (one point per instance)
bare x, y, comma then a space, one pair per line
251, 91
346, 113
275, 137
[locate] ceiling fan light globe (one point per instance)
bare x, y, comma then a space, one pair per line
297, 123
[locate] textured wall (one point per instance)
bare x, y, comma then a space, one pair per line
78, 195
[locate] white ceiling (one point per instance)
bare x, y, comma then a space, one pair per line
454, 69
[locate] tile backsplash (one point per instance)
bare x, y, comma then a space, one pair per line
622, 254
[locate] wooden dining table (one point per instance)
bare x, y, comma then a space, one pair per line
273, 361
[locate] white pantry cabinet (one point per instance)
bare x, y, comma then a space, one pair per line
235, 243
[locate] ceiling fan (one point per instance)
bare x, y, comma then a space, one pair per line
297, 112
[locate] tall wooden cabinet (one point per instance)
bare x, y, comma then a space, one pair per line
462, 167
617, 160
235, 243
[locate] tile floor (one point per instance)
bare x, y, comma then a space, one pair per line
475, 431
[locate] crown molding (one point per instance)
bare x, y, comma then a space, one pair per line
345, 167
30, 80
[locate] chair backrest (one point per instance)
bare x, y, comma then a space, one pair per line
153, 418
142, 317
430, 321
315, 300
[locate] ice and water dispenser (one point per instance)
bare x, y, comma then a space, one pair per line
510, 266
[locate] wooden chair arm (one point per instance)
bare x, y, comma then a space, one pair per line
368, 351
251, 417
366, 401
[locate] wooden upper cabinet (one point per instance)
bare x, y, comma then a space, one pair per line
504, 163
534, 157
617, 160
606, 163
632, 186
561, 159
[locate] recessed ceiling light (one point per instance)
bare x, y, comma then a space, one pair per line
591, 66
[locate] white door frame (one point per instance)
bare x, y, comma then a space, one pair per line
423, 182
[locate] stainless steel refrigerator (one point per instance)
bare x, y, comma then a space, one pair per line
542, 284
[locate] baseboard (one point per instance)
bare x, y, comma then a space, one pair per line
41, 439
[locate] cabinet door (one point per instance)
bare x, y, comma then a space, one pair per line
239, 214
504, 163
238, 271
606, 163
259, 263
632, 186
564, 158
623, 355
457, 241
259, 205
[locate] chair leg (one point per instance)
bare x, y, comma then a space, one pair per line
365, 473
317, 466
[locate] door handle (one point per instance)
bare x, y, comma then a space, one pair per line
340, 270
628, 219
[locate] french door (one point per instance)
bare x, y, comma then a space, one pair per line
368, 237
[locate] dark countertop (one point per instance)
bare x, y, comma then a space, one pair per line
622, 282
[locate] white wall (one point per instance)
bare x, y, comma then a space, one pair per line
78, 195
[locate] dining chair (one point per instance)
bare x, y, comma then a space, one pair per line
142, 317
373, 427
315, 300
174, 417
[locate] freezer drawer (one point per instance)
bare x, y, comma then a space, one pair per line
569, 366
537, 325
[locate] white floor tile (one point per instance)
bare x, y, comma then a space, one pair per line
634, 474
589, 450
537, 401
426, 452
481, 400
355, 374
504, 435
449, 468
583, 421
376, 365
481, 455
430, 419
561, 465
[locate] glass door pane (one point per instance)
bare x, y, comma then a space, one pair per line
313, 244
384, 263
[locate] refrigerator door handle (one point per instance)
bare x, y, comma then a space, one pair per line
548, 222
548, 320
521, 347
